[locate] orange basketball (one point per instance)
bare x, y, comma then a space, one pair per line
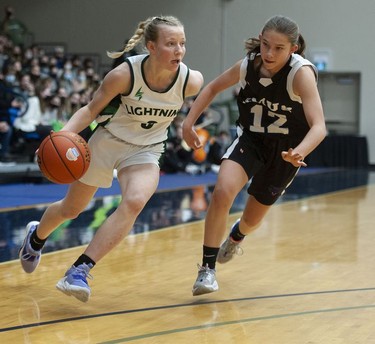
199, 155
63, 157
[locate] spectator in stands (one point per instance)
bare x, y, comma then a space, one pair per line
51, 116
10, 76
64, 110
6, 127
67, 77
73, 103
6, 131
13, 28
93, 80
44, 66
36, 76
27, 56
77, 61
30, 126
88, 63
80, 82
17, 66
3, 52
54, 75
17, 53
59, 57
54, 70
45, 92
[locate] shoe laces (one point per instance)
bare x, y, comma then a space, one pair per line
28, 256
234, 247
29, 253
81, 271
205, 269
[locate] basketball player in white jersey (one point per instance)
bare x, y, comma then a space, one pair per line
280, 122
134, 105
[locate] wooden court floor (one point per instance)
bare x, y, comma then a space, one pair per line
306, 276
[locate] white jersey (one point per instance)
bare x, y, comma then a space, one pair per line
143, 116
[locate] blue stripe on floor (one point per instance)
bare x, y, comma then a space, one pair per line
23, 195
20, 195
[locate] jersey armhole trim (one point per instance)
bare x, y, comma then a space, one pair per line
131, 78
185, 83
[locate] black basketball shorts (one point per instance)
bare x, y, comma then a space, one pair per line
260, 157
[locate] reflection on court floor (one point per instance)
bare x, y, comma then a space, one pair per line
165, 209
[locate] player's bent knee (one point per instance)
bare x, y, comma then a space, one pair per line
70, 213
223, 197
134, 204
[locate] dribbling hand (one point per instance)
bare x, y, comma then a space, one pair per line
190, 137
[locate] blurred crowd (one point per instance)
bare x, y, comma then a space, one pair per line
38, 91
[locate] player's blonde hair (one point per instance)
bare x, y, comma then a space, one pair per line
283, 25
146, 31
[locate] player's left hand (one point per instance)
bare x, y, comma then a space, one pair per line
294, 158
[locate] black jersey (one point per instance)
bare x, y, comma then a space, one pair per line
268, 106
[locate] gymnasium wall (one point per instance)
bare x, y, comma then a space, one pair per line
216, 30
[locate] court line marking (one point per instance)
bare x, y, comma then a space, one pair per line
233, 322
195, 303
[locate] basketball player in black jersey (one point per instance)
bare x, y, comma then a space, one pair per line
280, 122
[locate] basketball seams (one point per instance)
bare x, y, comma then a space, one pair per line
78, 142
47, 167
44, 167
84, 150
63, 156
53, 138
